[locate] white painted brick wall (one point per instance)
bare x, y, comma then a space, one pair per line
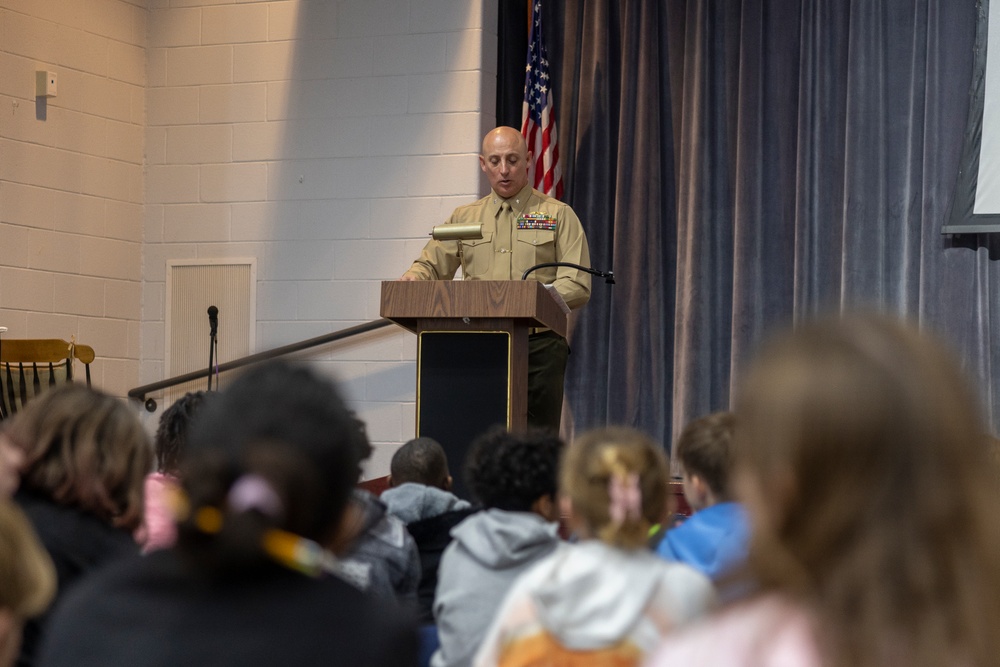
71, 178
323, 138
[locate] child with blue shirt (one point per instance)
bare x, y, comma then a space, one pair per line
714, 540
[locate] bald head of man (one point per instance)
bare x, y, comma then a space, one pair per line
504, 160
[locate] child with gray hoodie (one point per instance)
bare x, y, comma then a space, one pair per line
515, 479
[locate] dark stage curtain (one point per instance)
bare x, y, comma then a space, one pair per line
744, 164
512, 49
610, 70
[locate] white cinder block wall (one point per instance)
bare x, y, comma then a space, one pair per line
324, 138
71, 181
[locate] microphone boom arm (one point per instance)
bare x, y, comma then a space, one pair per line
609, 276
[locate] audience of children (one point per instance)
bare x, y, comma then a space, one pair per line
605, 600
27, 579
85, 458
714, 539
857, 452
860, 458
419, 494
272, 465
515, 478
170, 444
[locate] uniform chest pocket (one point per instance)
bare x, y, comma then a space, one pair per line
534, 246
478, 255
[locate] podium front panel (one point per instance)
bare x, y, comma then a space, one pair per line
463, 389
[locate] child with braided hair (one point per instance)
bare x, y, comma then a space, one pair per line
605, 600
170, 444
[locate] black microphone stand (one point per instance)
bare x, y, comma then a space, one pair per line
213, 341
609, 276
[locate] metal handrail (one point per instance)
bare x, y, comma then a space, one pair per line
139, 393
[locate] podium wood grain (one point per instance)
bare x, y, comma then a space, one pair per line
407, 302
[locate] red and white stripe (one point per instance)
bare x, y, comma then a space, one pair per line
543, 144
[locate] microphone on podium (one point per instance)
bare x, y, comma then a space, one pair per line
609, 276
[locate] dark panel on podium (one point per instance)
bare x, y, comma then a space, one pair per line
462, 390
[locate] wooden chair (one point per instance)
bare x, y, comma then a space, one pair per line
30, 366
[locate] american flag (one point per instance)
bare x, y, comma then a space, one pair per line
538, 124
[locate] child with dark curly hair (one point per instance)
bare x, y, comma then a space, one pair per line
515, 478
158, 530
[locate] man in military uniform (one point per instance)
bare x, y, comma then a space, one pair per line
521, 228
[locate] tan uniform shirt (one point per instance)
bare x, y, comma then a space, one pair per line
538, 229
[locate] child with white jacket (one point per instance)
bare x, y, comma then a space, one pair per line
607, 599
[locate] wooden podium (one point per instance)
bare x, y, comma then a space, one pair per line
472, 353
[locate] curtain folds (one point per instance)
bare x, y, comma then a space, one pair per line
617, 129
743, 164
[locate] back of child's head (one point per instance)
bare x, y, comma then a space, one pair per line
617, 481
511, 471
860, 457
277, 454
420, 461
171, 438
84, 449
704, 448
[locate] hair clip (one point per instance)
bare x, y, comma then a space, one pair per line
208, 519
253, 492
295, 552
625, 496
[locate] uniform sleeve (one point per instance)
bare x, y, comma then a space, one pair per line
571, 246
438, 260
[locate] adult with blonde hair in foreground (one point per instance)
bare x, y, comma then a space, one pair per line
860, 457
27, 579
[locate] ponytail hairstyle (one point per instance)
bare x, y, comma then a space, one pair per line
617, 480
271, 466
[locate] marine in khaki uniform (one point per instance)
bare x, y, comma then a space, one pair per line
521, 228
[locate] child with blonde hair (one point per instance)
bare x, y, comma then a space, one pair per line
606, 600
860, 457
